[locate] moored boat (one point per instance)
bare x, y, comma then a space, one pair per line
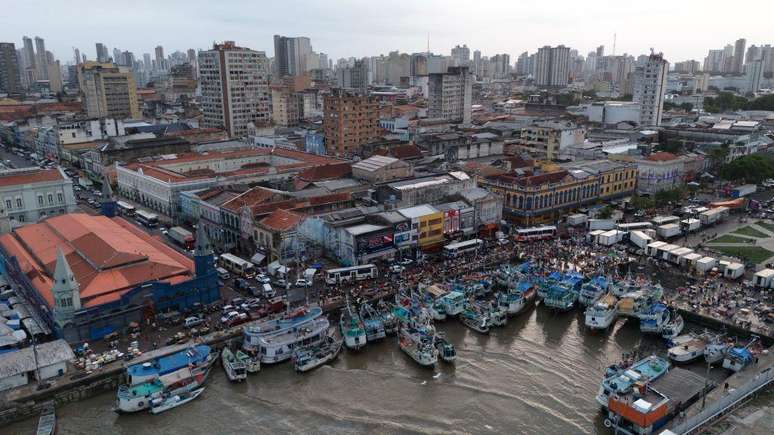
445, 349
593, 290
310, 358
621, 379
352, 329
602, 313
674, 327
688, 351
372, 323
654, 320
162, 404
417, 344
47, 422
236, 371
475, 321
252, 363
717, 347
739, 357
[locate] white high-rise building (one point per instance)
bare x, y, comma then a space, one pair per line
291, 55
234, 84
460, 55
649, 88
552, 66
450, 95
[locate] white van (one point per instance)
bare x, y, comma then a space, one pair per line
223, 273
268, 291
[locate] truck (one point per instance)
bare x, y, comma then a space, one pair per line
182, 237
600, 224
610, 238
577, 220
640, 239
713, 216
669, 230
691, 224
743, 190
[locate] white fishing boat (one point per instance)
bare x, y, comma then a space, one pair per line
309, 358
593, 290
602, 313
674, 327
653, 320
372, 322
251, 362
688, 351
352, 329
418, 344
236, 371
717, 347
445, 349
162, 404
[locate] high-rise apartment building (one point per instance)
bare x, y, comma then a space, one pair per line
649, 88
354, 77
349, 121
460, 55
739, 51
161, 61
291, 55
102, 52
234, 84
10, 77
552, 66
287, 105
108, 91
477, 63
449, 95
41, 61
77, 55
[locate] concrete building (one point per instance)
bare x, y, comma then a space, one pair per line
276, 235
649, 89
10, 77
551, 137
46, 361
287, 106
378, 169
102, 53
234, 84
425, 190
349, 121
291, 55
739, 52
552, 66
659, 171
108, 91
354, 77
426, 225
450, 95
32, 194
461, 55
612, 112
89, 276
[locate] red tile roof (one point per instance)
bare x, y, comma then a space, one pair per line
28, 177
107, 256
281, 220
401, 152
661, 156
251, 198
326, 172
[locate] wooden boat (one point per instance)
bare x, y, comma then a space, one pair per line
162, 404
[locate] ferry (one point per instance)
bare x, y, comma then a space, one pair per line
602, 313
593, 290
352, 329
372, 322
289, 321
654, 320
309, 358
236, 371
417, 344
674, 327
278, 346
688, 351
622, 379
445, 349
160, 404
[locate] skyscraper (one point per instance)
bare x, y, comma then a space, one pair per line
160, 60
449, 95
552, 66
102, 52
477, 63
649, 89
349, 122
41, 61
77, 55
739, 47
460, 55
291, 55
108, 91
10, 78
234, 84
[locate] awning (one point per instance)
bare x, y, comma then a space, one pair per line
257, 258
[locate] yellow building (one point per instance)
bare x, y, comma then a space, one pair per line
426, 225
616, 179
108, 91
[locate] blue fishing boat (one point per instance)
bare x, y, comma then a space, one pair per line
548, 282
563, 295
372, 322
593, 290
199, 355
653, 320
621, 380
352, 328
739, 357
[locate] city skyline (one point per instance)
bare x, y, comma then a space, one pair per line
352, 29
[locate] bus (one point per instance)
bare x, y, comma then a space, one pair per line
125, 208
148, 219
458, 248
236, 265
350, 274
536, 233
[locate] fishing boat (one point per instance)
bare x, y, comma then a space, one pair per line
621, 379
688, 351
602, 313
717, 347
389, 320
252, 363
498, 314
372, 322
453, 302
274, 339
445, 349
563, 295
417, 344
162, 404
626, 286
739, 357
310, 358
47, 422
547, 283
194, 356
593, 290
654, 320
236, 371
475, 320
633, 304
674, 327
352, 329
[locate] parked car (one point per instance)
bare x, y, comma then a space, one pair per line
397, 268
263, 279
406, 262
301, 282
192, 321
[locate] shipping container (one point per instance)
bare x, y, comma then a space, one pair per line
577, 220
668, 231
740, 191
601, 224
640, 239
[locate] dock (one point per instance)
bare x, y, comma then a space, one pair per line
720, 402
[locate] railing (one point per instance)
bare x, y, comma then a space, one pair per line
727, 402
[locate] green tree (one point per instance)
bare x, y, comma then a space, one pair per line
606, 212
725, 101
749, 169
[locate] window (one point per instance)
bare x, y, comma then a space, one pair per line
8, 204
40, 199
50, 198
60, 197
21, 218
19, 203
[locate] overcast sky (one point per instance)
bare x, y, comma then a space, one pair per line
681, 29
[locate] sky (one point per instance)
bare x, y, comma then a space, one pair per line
681, 29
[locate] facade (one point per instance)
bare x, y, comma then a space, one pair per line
552, 137
649, 89
425, 190
92, 275
291, 55
613, 112
10, 76
487, 207
459, 219
276, 235
234, 84
32, 194
427, 222
449, 95
108, 91
659, 171
287, 106
552, 66
365, 243
377, 169
349, 122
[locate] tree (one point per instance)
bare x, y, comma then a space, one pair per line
718, 156
749, 169
724, 102
606, 212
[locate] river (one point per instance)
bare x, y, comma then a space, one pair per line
539, 374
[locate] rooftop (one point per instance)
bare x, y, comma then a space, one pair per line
374, 163
14, 177
418, 211
281, 220
662, 156
23, 360
364, 229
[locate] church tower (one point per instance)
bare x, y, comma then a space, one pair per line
66, 291
203, 253
108, 208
